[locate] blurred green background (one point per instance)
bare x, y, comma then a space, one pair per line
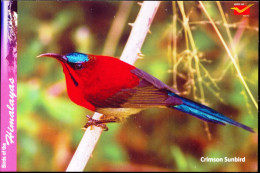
49, 124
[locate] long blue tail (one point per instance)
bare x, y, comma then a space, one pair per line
205, 113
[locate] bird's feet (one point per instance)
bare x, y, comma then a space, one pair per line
99, 123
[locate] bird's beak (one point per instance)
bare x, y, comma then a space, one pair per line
61, 58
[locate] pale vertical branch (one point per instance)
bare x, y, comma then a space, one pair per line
230, 55
129, 55
138, 34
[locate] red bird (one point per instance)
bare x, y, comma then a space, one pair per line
116, 89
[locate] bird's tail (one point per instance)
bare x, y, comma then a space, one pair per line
205, 113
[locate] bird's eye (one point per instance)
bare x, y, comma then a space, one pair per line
78, 66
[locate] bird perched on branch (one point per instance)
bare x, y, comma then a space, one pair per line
116, 89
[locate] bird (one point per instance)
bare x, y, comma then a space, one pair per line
116, 89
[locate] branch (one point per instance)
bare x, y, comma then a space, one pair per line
129, 55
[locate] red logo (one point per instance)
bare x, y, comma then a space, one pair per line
241, 9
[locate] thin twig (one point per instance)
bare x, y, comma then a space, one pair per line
194, 52
129, 55
230, 55
174, 49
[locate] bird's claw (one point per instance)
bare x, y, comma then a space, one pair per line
98, 123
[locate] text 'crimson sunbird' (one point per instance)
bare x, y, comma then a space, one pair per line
116, 89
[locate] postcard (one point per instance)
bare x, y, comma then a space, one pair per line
129, 86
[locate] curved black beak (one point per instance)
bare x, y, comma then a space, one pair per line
61, 58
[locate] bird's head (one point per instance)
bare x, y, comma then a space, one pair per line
72, 63
74, 60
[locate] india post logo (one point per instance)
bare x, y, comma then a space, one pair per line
241, 9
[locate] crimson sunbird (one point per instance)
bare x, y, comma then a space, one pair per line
116, 89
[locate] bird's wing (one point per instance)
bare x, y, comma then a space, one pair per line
150, 92
152, 80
